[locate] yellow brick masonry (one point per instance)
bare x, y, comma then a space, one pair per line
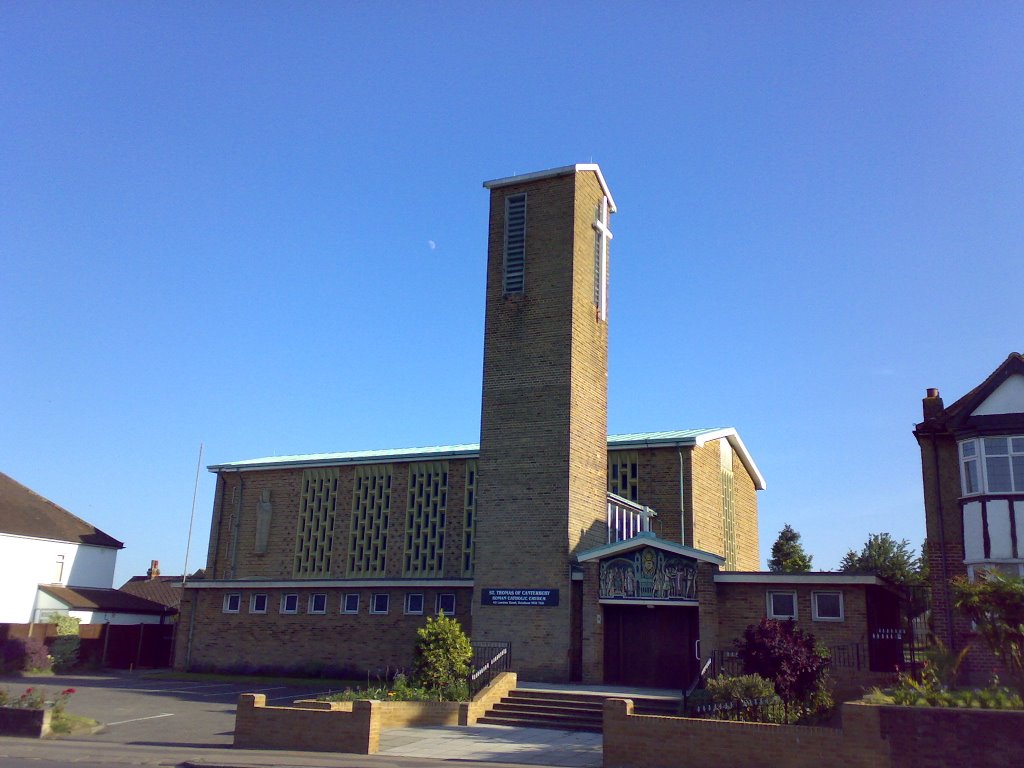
870, 737
351, 726
643, 741
543, 441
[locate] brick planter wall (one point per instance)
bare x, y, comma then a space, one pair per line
31, 723
871, 737
350, 726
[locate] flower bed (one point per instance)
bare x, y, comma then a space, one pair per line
32, 714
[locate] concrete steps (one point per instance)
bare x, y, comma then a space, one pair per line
567, 711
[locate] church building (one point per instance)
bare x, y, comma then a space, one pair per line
620, 559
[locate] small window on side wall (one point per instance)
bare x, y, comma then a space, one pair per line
318, 602
350, 603
414, 602
379, 603
446, 604
232, 602
258, 604
290, 603
828, 606
781, 605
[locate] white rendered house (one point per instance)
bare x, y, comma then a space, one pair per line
44, 544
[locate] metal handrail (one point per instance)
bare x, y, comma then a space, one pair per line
489, 660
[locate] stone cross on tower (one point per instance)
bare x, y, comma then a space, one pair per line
604, 234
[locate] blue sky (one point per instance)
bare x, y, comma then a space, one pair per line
261, 227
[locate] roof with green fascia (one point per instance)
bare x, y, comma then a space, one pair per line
680, 438
647, 539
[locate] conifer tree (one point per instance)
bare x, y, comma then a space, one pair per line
788, 554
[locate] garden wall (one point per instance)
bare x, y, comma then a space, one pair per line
871, 737
30, 723
351, 726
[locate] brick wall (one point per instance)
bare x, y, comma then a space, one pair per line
354, 728
940, 473
543, 437
668, 742
748, 542
870, 737
354, 643
705, 489
740, 605
233, 537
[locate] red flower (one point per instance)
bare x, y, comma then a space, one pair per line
67, 691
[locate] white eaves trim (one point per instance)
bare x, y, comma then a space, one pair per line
765, 577
565, 170
326, 583
698, 440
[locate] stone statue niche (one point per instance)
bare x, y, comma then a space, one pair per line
264, 511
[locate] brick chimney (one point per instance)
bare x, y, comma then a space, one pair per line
154, 569
932, 403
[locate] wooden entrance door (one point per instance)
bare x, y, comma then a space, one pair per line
650, 647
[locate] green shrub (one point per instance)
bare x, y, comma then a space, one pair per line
726, 688
65, 647
929, 691
749, 698
443, 654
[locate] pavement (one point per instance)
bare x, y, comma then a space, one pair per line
155, 721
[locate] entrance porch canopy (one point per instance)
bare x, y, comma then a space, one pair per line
646, 570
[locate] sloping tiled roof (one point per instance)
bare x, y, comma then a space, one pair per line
165, 590
108, 600
960, 413
23, 512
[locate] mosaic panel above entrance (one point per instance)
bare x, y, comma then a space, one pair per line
649, 574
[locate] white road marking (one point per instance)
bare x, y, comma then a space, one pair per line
135, 720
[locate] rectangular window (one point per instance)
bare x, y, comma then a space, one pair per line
232, 602
781, 605
258, 604
350, 603
379, 603
290, 603
318, 602
446, 604
414, 602
515, 244
992, 465
828, 606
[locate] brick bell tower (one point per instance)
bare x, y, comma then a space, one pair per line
544, 418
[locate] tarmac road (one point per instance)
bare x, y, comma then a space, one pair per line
137, 709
